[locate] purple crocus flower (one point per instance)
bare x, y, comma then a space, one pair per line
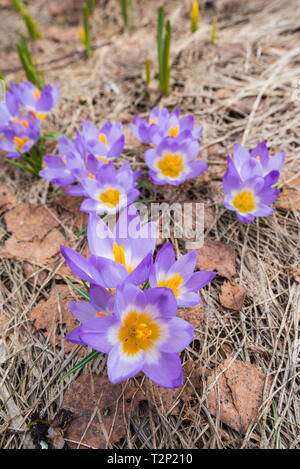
101, 305
22, 133
162, 124
106, 143
40, 102
64, 168
173, 161
122, 255
111, 189
250, 198
9, 111
179, 276
143, 334
258, 163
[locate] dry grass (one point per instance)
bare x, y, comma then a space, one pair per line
257, 57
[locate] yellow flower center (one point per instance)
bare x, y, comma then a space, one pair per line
24, 123
138, 332
119, 255
174, 132
91, 176
100, 314
172, 283
103, 139
155, 121
110, 198
64, 159
102, 158
258, 158
171, 165
244, 202
39, 115
37, 93
19, 142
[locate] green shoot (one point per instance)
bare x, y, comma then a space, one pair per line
79, 290
124, 13
213, 32
126, 19
81, 364
17, 5
148, 70
166, 60
32, 26
194, 17
91, 6
85, 33
32, 72
160, 42
163, 49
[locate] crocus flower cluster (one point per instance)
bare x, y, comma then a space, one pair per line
21, 115
136, 326
88, 161
175, 146
249, 179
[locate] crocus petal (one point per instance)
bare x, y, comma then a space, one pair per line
188, 299
251, 168
263, 211
96, 333
276, 162
181, 335
100, 297
121, 367
164, 260
240, 156
198, 280
82, 310
161, 302
261, 151
74, 336
185, 265
166, 371
77, 263
141, 273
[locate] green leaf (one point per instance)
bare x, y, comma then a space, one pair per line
148, 70
22, 166
87, 29
52, 136
81, 364
81, 232
166, 60
81, 292
124, 13
31, 25
160, 43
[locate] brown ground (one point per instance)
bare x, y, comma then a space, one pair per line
245, 88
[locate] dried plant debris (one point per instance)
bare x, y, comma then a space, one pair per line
289, 197
215, 255
194, 315
28, 222
7, 199
238, 393
101, 411
58, 427
170, 401
54, 318
232, 295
